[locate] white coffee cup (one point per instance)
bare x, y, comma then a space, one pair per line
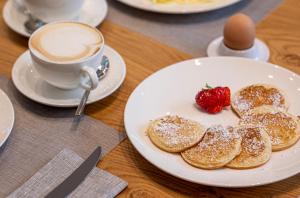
54, 10
72, 72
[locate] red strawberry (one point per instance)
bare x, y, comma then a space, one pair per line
213, 100
224, 93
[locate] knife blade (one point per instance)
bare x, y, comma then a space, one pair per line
78, 176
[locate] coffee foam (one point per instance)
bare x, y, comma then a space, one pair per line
65, 42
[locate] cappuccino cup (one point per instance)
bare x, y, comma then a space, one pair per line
54, 10
67, 54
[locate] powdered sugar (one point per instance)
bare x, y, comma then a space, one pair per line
218, 134
257, 95
241, 104
217, 143
167, 128
276, 99
254, 145
176, 130
276, 140
252, 142
278, 124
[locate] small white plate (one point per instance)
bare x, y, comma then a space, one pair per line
93, 13
7, 117
172, 91
30, 84
261, 52
173, 8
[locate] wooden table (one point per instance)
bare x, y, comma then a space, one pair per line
280, 30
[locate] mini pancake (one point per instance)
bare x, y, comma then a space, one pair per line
174, 133
258, 95
256, 148
218, 147
282, 127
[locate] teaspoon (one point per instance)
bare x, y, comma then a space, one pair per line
101, 72
32, 23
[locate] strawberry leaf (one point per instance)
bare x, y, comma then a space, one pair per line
208, 86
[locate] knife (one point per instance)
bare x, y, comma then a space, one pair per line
78, 176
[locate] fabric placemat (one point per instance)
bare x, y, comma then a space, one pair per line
41, 132
98, 183
190, 33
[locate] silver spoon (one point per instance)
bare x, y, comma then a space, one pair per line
32, 23
101, 72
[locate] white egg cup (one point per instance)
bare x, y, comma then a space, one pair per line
259, 50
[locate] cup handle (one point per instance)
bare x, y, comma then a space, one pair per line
90, 78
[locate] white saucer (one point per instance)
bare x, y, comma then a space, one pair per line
93, 13
262, 50
7, 116
30, 84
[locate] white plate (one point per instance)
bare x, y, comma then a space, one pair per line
30, 84
93, 13
7, 117
172, 91
172, 8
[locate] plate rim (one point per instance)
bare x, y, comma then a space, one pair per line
131, 137
177, 11
13, 117
7, 17
54, 104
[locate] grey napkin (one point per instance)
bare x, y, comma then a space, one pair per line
190, 33
40, 132
98, 183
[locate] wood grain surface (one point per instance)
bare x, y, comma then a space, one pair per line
143, 56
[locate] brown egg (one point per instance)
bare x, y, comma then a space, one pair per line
239, 32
